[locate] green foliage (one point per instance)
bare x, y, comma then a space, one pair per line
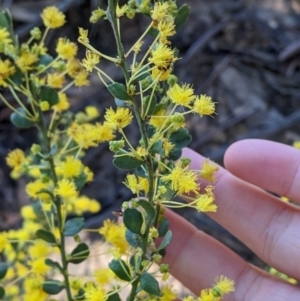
53, 264
163, 227
149, 210
2, 292
124, 161
53, 287
133, 220
80, 253
49, 94
46, 236
3, 269
74, 226
119, 91
182, 15
150, 285
21, 120
121, 269
135, 240
166, 240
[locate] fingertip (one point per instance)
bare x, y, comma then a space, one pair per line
235, 156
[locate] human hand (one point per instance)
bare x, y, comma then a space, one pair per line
267, 225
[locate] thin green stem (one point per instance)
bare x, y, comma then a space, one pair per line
114, 23
57, 202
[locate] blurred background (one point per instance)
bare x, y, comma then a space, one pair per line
243, 53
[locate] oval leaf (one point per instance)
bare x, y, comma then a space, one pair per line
80, 253
46, 236
74, 226
19, 119
45, 60
119, 91
3, 269
49, 94
133, 220
182, 15
150, 285
114, 297
120, 268
175, 153
166, 240
133, 239
157, 148
150, 211
164, 227
53, 264
181, 138
126, 161
2, 292
53, 287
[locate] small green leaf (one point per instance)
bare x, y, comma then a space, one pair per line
46, 236
20, 120
4, 22
133, 220
74, 226
53, 287
163, 227
150, 211
150, 285
121, 103
175, 153
121, 269
2, 292
133, 239
157, 148
182, 16
17, 77
80, 295
153, 32
3, 269
114, 297
166, 240
124, 161
80, 253
181, 138
49, 94
53, 150
45, 60
80, 180
119, 91
53, 264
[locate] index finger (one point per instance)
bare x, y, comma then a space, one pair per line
270, 165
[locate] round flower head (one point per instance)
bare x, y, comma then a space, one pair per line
52, 17
6, 70
204, 105
118, 119
66, 49
181, 95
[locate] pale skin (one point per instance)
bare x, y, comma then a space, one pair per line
267, 225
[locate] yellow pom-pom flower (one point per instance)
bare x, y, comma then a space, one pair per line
66, 49
52, 17
204, 105
118, 119
181, 95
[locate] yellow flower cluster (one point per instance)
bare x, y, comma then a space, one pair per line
115, 234
222, 287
